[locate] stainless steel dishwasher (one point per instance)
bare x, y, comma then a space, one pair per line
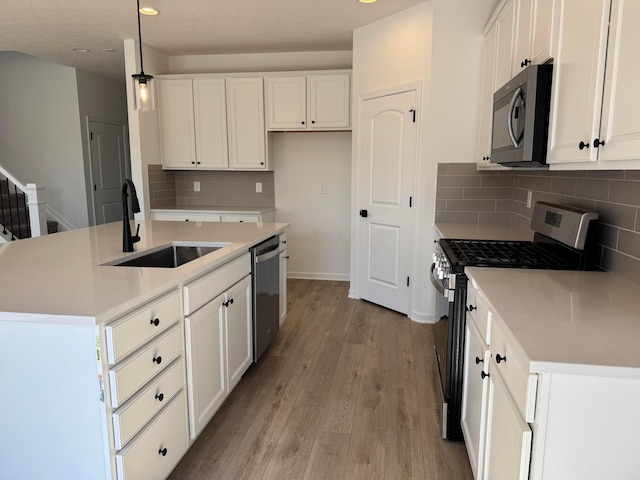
266, 294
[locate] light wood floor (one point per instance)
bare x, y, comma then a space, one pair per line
345, 392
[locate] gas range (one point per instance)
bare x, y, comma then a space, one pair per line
559, 243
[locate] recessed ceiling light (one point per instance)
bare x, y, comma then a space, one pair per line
81, 50
149, 11
367, 1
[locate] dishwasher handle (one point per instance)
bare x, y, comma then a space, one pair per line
268, 255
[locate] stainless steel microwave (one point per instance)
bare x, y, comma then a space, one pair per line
521, 118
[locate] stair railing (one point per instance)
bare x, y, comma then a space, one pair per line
32, 222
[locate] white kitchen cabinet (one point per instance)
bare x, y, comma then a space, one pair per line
177, 123
283, 277
505, 36
246, 127
235, 217
238, 323
486, 106
508, 443
533, 37
185, 216
219, 340
578, 76
310, 102
193, 123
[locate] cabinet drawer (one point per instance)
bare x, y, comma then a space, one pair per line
133, 373
513, 368
199, 292
479, 313
185, 217
134, 414
154, 453
241, 218
126, 334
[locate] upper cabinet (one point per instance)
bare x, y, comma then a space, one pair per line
245, 100
533, 34
486, 106
505, 34
212, 123
308, 102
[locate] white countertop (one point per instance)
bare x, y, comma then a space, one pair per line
584, 323
60, 278
201, 208
483, 231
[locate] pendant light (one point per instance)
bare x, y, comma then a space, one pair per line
142, 86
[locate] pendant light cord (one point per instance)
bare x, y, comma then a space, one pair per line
140, 38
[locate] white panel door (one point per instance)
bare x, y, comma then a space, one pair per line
206, 363
621, 105
210, 107
387, 150
578, 75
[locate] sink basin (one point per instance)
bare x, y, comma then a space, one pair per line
169, 256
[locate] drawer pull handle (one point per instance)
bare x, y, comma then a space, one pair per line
157, 359
162, 451
160, 397
155, 322
500, 358
479, 361
484, 375
472, 308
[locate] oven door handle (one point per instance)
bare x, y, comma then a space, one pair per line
516, 141
436, 283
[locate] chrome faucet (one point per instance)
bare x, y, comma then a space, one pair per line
127, 239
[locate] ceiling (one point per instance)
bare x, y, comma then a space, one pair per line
52, 29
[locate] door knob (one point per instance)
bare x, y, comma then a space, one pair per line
364, 213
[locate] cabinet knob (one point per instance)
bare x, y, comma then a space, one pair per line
261, 163
583, 145
303, 123
479, 361
155, 322
162, 451
471, 308
157, 359
287, 257
500, 358
313, 121
193, 163
483, 375
525, 62
160, 397
597, 142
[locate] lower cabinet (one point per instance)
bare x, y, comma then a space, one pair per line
219, 341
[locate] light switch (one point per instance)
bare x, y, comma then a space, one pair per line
258, 187
323, 189
196, 186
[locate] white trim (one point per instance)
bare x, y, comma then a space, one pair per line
339, 277
422, 317
62, 222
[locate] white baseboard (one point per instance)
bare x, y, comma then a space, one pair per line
422, 317
63, 223
352, 294
340, 277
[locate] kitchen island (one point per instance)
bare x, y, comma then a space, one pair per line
93, 363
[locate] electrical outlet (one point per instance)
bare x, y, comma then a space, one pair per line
323, 189
529, 195
258, 187
196, 186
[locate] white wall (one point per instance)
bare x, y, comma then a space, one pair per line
101, 99
436, 43
318, 242
40, 138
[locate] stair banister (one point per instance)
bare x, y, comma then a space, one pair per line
35, 202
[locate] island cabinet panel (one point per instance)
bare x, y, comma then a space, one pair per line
239, 326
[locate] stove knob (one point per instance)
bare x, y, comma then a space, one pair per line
434, 257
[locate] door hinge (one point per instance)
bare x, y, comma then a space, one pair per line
95, 187
90, 135
413, 110
407, 281
410, 202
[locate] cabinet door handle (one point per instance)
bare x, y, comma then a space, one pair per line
479, 361
471, 308
303, 123
500, 358
313, 121
583, 145
160, 397
597, 142
155, 322
364, 213
525, 62
157, 359
483, 375
163, 452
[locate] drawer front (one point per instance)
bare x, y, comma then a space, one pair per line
241, 218
133, 415
186, 217
154, 453
479, 312
133, 373
126, 334
521, 383
199, 292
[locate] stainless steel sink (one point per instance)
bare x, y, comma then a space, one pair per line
170, 256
